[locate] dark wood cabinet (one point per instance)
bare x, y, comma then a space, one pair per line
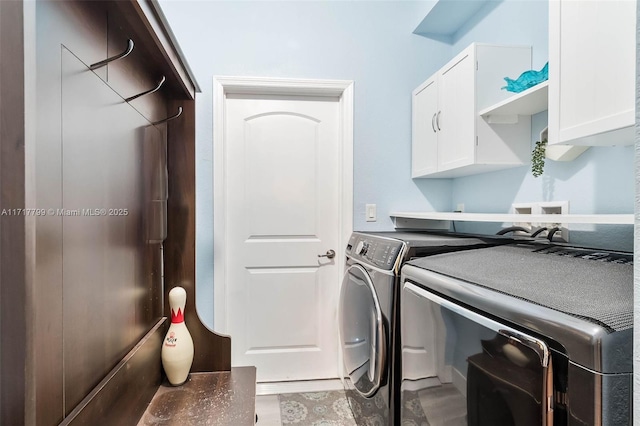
108, 277
84, 271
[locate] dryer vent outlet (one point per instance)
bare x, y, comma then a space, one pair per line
544, 208
555, 208
523, 208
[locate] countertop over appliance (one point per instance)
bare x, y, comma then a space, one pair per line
574, 295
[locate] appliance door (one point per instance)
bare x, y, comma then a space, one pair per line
362, 331
460, 367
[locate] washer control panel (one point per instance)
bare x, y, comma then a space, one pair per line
379, 252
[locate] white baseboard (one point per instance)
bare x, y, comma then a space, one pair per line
300, 386
460, 382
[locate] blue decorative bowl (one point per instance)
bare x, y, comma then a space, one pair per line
527, 79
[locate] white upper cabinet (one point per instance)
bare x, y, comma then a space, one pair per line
424, 155
592, 64
456, 106
449, 138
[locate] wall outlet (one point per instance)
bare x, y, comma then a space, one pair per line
370, 213
551, 208
523, 208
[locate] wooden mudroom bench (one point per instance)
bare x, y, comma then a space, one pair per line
216, 399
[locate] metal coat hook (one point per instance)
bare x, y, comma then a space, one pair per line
113, 58
148, 92
169, 118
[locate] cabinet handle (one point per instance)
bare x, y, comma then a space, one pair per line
433, 126
438, 120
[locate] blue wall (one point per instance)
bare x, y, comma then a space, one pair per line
599, 181
370, 43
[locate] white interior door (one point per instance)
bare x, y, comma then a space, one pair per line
283, 210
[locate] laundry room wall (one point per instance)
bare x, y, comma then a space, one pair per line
369, 42
599, 181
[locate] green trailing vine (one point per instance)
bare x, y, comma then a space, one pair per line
537, 158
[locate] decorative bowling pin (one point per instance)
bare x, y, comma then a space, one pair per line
177, 347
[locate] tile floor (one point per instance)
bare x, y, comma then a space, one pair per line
268, 411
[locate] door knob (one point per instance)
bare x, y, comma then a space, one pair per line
329, 255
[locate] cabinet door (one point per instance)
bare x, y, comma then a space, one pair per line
592, 69
424, 152
454, 120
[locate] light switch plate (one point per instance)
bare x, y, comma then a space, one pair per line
370, 213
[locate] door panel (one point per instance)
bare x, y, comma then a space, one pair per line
457, 104
291, 174
282, 212
424, 155
418, 359
300, 284
596, 93
486, 372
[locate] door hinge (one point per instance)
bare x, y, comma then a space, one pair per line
476, 65
476, 140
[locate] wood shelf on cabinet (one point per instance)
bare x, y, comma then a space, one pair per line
529, 102
441, 220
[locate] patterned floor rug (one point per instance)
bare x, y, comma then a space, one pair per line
316, 409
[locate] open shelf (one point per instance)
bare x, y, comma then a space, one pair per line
441, 220
446, 18
531, 101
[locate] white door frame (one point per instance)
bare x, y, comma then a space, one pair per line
223, 86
